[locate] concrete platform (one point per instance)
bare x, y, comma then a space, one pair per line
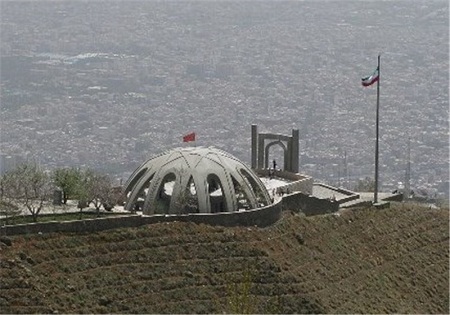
340, 195
367, 198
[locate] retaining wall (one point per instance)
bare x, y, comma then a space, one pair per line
259, 217
309, 205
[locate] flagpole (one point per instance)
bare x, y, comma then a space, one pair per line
375, 194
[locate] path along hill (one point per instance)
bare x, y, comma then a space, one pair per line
392, 260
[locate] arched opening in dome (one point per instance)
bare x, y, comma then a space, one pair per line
242, 199
260, 196
215, 192
135, 179
188, 200
164, 194
138, 203
135, 201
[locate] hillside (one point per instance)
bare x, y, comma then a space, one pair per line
362, 261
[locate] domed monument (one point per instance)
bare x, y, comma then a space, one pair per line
194, 180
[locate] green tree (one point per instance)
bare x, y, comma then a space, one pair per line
187, 201
69, 181
27, 185
94, 187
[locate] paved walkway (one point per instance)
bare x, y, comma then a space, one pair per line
366, 197
327, 193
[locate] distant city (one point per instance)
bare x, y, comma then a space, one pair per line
108, 84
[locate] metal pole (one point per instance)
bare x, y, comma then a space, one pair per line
375, 194
407, 189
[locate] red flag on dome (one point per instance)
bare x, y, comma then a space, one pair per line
189, 137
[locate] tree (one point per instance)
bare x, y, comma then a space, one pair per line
82, 203
187, 200
9, 210
82, 190
87, 186
98, 189
69, 180
29, 186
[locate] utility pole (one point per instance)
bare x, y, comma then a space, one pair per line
346, 170
375, 194
407, 188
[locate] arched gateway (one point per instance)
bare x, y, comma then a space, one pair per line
262, 142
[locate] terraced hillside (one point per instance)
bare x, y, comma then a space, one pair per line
362, 261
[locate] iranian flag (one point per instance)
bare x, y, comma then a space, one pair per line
371, 79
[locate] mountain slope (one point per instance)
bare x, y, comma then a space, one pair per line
361, 261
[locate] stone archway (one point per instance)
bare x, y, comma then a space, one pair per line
261, 143
267, 150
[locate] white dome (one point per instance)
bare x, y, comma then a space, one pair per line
194, 180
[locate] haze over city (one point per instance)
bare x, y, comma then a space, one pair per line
108, 84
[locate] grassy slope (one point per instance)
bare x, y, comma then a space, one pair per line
363, 261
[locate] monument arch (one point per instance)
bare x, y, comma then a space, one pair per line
262, 142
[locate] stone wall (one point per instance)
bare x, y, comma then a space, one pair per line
262, 217
309, 205
258, 217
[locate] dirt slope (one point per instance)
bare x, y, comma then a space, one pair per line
363, 261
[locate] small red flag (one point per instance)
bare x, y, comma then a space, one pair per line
189, 137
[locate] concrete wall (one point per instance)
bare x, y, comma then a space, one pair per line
308, 205
262, 217
259, 217
395, 197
